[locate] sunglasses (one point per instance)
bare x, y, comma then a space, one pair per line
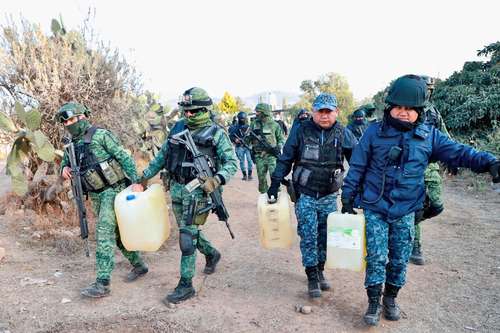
195, 111
67, 114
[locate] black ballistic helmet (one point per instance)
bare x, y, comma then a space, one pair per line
408, 90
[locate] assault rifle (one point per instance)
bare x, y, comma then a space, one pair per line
263, 141
76, 188
203, 166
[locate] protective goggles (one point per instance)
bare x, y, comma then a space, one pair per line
67, 114
187, 100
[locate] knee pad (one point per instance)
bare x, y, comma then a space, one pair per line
186, 242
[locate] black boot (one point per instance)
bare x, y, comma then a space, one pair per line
137, 272
100, 288
323, 284
417, 258
182, 292
313, 282
391, 309
372, 315
249, 175
212, 261
244, 175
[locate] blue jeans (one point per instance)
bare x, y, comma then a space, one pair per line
311, 215
242, 153
388, 248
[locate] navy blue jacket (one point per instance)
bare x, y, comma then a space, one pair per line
403, 188
294, 146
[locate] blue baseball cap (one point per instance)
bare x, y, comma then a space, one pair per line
325, 101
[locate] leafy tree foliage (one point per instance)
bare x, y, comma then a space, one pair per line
331, 83
469, 100
228, 104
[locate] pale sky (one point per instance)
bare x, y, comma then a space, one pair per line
247, 47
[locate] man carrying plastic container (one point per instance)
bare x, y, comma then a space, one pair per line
386, 178
105, 169
174, 157
315, 149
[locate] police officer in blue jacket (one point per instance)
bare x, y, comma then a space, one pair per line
316, 150
386, 179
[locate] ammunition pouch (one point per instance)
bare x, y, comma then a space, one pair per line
103, 175
322, 180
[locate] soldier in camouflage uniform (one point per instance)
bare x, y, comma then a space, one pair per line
105, 170
212, 140
156, 132
433, 182
386, 179
266, 128
358, 123
315, 149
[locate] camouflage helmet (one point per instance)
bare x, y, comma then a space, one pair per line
408, 90
264, 108
195, 98
70, 110
369, 109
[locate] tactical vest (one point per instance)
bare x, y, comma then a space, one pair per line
264, 130
319, 170
96, 175
179, 154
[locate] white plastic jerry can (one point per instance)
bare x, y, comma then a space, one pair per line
346, 245
142, 218
276, 230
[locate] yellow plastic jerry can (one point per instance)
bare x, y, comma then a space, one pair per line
142, 218
276, 230
346, 245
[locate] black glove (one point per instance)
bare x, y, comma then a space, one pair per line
273, 190
348, 206
495, 170
419, 216
276, 151
431, 211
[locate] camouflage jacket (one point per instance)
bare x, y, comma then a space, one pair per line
105, 145
272, 132
227, 163
434, 118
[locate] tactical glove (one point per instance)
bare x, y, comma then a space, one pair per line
276, 151
210, 184
495, 170
272, 192
348, 206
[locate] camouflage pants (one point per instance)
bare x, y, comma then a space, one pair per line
433, 187
388, 248
311, 215
244, 153
181, 200
107, 235
265, 164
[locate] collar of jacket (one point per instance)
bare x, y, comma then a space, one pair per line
421, 131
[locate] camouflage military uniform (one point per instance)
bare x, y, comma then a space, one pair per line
387, 239
265, 126
156, 131
432, 178
105, 145
181, 198
171, 157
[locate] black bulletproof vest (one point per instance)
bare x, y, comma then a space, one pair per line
178, 153
84, 157
319, 169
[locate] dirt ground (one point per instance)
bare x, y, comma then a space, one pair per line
256, 290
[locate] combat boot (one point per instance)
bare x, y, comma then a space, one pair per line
244, 175
391, 309
249, 175
417, 258
99, 288
372, 315
313, 282
324, 285
182, 292
137, 272
212, 261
